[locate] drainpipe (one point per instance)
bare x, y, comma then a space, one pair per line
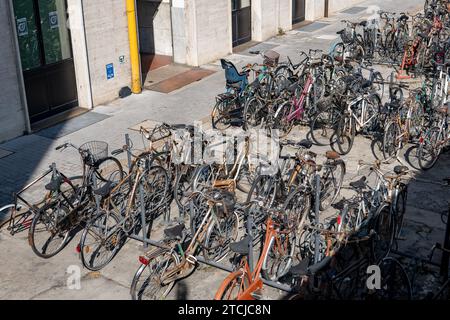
23, 95
326, 8
134, 47
88, 65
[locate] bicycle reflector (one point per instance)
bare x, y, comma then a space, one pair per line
78, 248
339, 219
144, 260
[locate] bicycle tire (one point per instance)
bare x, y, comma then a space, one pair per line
116, 239
137, 291
239, 280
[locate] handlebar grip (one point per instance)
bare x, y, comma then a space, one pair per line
117, 152
61, 146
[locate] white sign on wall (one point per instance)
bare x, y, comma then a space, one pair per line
22, 27
53, 19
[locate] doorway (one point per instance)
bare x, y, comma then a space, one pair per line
46, 56
241, 11
298, 11
155, 35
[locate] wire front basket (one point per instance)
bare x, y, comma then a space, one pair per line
159, 133
93, 151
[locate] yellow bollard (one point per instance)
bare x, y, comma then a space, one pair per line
134, 49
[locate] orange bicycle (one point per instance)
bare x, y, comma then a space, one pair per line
274, 262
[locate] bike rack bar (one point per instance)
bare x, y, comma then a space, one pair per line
148, 241
214, 264
269, 283
317, 220
276, 285
128, 143
446, 246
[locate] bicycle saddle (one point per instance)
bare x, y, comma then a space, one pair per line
305, 143
332, 155
54, 184
104, 190
401, 169
359, 184
363, 23
241, 247
175, 232
340, 31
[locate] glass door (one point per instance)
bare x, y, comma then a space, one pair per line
46, 56
242, 21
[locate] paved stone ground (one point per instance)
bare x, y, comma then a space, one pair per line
25, 276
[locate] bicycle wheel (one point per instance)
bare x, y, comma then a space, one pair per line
281, 121
324, 124
48, 235
400, 208
395, 283
391, 140
98, 245
345, 134
147, 284
184, 188
297, 206
331, 183
156, 187
385, 233
204, 177
263, 189
279, 256
253, 113
429, 148
318, 89
417, 120
219, 236
234, 286
108, 170
220, 117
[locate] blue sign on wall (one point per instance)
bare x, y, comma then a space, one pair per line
110, 71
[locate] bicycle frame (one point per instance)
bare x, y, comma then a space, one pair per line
299, 103
361, 121
254, 276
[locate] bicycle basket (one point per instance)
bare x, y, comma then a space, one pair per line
271, 58
159, 133
93, 151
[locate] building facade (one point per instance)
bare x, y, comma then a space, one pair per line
61, 54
